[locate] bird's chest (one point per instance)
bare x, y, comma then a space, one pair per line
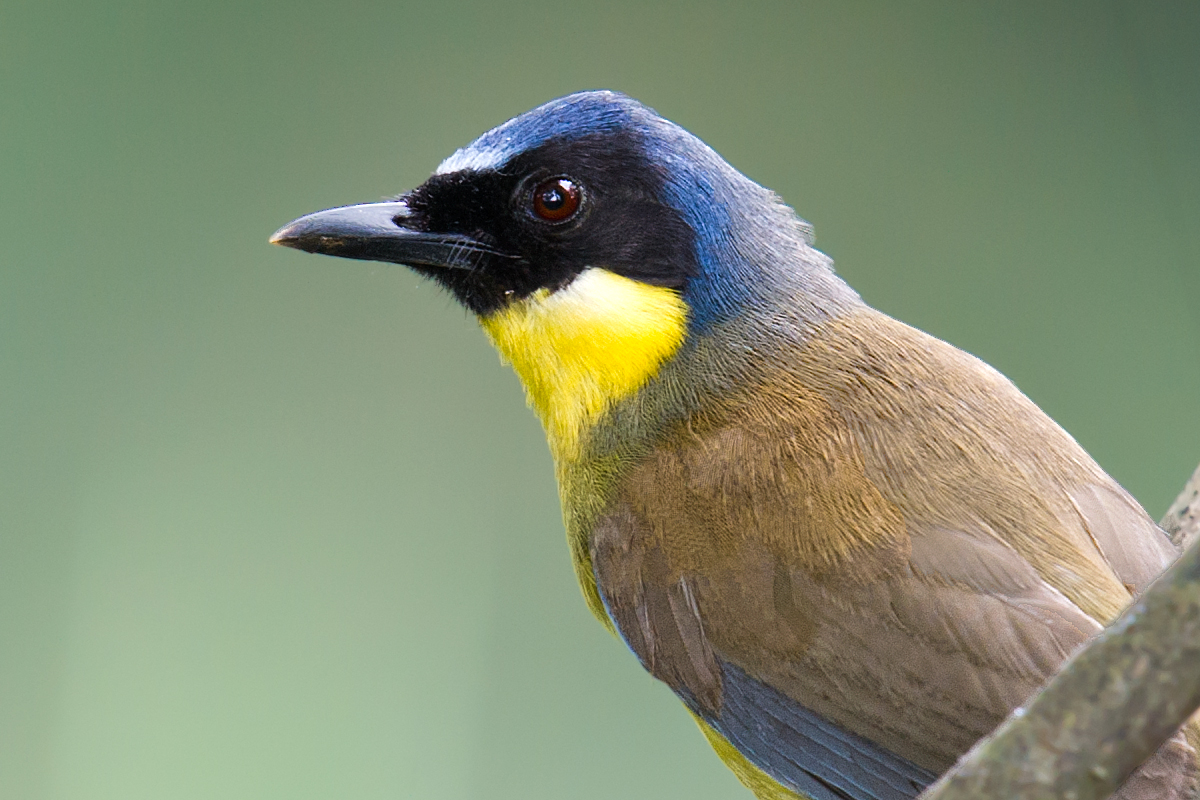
766, 482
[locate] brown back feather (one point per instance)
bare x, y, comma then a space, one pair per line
885, 530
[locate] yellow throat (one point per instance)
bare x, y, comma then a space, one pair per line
585, 346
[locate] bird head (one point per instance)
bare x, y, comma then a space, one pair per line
593, 239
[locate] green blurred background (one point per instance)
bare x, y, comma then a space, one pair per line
279, 526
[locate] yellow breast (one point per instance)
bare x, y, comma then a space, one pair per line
585, 346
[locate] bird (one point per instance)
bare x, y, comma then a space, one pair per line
848, 547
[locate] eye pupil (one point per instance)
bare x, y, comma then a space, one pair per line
553, 199
556, 199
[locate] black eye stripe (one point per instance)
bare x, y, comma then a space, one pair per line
619, 219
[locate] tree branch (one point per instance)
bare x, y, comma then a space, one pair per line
1112, 704
1183, 517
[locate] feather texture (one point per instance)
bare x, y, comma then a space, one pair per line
848, 547
882, 534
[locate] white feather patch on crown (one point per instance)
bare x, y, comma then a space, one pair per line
473, 158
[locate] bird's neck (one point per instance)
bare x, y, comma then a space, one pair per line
582, 349
585, 352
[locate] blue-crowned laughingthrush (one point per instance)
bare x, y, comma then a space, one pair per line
848, 547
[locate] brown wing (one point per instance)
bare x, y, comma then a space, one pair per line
1136, 548
918, 643
888, 684
952, 443
893, 541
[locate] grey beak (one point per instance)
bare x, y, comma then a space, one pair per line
378, 232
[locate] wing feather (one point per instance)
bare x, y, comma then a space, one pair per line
856, 569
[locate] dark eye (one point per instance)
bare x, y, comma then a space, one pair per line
556, 199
